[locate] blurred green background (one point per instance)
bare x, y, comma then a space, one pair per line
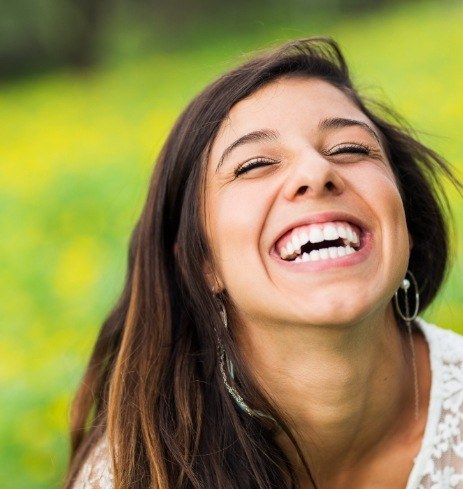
89, 91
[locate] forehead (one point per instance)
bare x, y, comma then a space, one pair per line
283, 104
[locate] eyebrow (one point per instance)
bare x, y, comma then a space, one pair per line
340, 122
252, 137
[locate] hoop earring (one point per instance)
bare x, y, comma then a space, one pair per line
405, 286
408, 318
227, 370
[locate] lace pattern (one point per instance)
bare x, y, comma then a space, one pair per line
96, 473
439, 464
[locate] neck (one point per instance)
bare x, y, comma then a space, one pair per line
345, 391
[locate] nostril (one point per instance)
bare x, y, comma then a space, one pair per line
302, 190
329, 186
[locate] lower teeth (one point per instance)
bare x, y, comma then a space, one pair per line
325, 254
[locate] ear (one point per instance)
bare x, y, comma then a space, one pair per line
212, 278
213, 281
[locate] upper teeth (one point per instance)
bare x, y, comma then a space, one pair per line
316, 233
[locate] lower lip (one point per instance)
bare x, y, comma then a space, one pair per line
320, 265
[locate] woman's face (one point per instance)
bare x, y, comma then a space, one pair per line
303, 214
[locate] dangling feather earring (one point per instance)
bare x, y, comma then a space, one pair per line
227, 371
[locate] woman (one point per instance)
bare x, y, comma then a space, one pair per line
267, 335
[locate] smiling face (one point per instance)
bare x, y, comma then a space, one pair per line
303, 214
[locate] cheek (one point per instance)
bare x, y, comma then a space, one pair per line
234, 225
394, 230
393, 205
378, 189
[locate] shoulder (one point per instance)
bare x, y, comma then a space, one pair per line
440, 462
96, 472
446, 358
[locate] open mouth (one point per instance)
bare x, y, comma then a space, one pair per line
321, 241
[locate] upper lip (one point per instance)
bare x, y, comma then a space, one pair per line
320, 218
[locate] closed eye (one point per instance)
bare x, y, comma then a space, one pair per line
354, 150
351, 149
252, 164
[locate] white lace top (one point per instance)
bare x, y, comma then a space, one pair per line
438, 465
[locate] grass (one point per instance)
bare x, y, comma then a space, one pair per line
76, 155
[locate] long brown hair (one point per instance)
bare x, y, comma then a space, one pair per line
153, 384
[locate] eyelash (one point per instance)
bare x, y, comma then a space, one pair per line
348, 148
250, 165
351, 148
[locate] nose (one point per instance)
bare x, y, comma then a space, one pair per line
313, 176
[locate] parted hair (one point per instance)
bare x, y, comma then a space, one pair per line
153, 385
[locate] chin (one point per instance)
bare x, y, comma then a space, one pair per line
341, 311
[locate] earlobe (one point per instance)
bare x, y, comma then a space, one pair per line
217, 288
214, 282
